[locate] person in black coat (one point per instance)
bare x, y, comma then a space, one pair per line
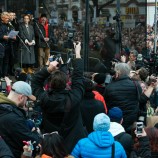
5, 44
90, 107
14, 129
4, 150
44, 38
123, 93
142, 146
27, 55
60, 107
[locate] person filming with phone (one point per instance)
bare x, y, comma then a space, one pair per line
146, 142
60, 107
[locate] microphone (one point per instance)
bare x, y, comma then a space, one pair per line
10, 24
33, 19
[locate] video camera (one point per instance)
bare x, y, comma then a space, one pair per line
117, 16
69, 43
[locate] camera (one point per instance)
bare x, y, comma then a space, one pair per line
139, 128
3, 84
117, 17
55, 58
69, 43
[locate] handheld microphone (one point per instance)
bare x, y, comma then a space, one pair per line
33, 19
10, 24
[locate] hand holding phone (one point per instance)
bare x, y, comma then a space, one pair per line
139, 128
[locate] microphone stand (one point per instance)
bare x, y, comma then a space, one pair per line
20, 38
21, 42
41, 33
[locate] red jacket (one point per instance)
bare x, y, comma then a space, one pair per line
99, 97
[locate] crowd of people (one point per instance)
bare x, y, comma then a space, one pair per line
105, 113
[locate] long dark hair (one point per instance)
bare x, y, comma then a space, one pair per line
53, 145
152, 133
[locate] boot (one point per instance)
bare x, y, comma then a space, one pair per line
30, 70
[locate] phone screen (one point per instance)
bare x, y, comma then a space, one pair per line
139, 127
3, 85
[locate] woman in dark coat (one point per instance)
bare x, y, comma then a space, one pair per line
27, 56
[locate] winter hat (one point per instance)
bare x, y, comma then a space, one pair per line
101, 122
100, 68
115, 114
99, 78
43, 15
88, 84
140, 57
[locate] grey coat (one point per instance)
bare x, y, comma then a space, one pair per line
27, 57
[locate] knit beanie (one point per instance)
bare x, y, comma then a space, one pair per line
101, 122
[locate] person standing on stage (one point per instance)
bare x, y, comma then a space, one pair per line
45, 37
5, 44
27, 55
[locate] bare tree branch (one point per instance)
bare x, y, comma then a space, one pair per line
106, 4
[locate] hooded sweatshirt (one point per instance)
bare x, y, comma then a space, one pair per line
116, 128
98, 145
5, 100
121, 136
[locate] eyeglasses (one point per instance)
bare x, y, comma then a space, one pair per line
49, 134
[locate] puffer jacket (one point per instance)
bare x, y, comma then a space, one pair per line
98, 145
123, 94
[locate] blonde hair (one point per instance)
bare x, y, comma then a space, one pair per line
4, 14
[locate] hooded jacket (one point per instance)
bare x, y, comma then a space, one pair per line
121, 136
60, 107
13, 126
98, 145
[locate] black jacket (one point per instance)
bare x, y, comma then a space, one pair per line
126, 141
13, 128
40, 32
123, 94
90, 107
4, 150
4, 44
144, 149
28, 57
59, 105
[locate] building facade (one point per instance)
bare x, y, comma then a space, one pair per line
74, 10
150, 12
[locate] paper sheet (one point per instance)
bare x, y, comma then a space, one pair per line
13, 33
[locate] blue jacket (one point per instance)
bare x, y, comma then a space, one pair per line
98, 145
